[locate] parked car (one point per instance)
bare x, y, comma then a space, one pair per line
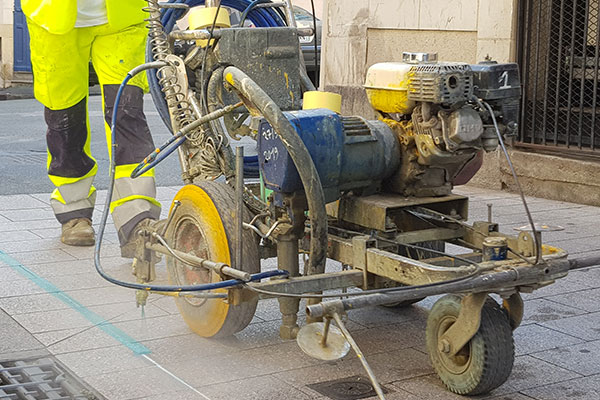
304, 19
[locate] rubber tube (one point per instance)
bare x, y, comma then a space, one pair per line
301, 157
225, 151
104, 218
250, 8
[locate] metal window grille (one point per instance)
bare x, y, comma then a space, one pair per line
559, 55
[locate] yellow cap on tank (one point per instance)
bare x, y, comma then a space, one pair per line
315, 99
203, 17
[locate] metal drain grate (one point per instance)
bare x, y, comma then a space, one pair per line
40, 379
351, 388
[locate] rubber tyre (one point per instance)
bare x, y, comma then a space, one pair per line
204, 224
485, 362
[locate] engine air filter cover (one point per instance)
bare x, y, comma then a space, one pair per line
440, 83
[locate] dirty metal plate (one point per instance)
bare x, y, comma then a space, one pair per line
42, 378
376, 210
310, 336
351, 388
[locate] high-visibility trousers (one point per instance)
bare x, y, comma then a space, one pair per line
61, 75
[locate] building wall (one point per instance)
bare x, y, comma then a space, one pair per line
359, 33
6, 42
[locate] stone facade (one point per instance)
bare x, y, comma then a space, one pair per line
6, 42
360, 33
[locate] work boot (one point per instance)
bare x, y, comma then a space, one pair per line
128, 249
78, 232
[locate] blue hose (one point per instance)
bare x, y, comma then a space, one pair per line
104, 218
250, 8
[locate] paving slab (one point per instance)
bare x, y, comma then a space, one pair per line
15, 338
76, 267
22, 202
8, 275
535, 338
19, 288
34, 214
41, 257
583, 358
576, 389
426, 387
543, 310
398, 336
10, 226
80, 339
102, 361
586, 326
556, 346
529, 372
587, 300
136, 383
256, 388
18, 236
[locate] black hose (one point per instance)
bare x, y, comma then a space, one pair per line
214, 81
312, 4
584, 262
250, 8
105, 212
249, 90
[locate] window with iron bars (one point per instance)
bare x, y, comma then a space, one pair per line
559, 54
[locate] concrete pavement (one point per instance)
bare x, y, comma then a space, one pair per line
52, 301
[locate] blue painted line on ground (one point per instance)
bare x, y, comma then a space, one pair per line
91, 316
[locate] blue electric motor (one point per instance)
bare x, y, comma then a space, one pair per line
348, 152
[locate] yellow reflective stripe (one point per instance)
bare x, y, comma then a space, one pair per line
120, 202
56, 195
124, 171
59, 181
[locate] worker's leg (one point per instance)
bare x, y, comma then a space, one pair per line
60, 68
113, 55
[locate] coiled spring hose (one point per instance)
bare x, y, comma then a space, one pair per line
260, 17
164, 289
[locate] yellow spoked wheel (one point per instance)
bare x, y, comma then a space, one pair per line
204, 225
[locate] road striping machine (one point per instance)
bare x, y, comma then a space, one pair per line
373, 195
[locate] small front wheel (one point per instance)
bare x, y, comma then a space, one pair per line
485, 362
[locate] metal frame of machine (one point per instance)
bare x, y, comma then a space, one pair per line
386, 221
